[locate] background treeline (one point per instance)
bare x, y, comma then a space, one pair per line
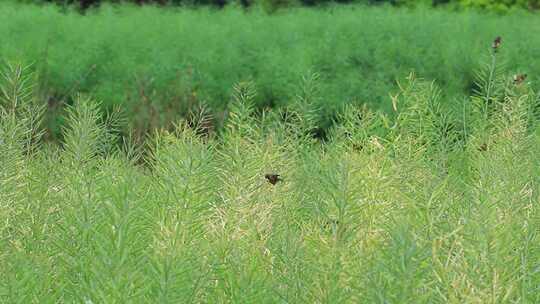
497, 5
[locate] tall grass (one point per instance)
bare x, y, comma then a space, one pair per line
420, 206
160, 63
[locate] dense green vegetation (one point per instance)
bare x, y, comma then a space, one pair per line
158, 63
426, 205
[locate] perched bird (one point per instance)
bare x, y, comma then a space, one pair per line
519, 78
496, 43
272, 178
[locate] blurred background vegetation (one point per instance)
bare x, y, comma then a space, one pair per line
159, 62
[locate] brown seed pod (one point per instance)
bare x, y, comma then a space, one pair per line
519, 78
331, 223
483, 147
496, 43
272, 178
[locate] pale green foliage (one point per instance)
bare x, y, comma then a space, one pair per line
401, 208
239, 122
421, 116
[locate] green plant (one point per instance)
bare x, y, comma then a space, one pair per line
386, 209
113, 55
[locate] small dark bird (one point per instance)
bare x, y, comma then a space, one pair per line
272, 178
518, 79
496, 43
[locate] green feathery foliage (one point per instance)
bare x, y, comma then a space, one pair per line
357, 51
425, 204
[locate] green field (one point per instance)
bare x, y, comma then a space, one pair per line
432, 203
139, 147
158, 63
